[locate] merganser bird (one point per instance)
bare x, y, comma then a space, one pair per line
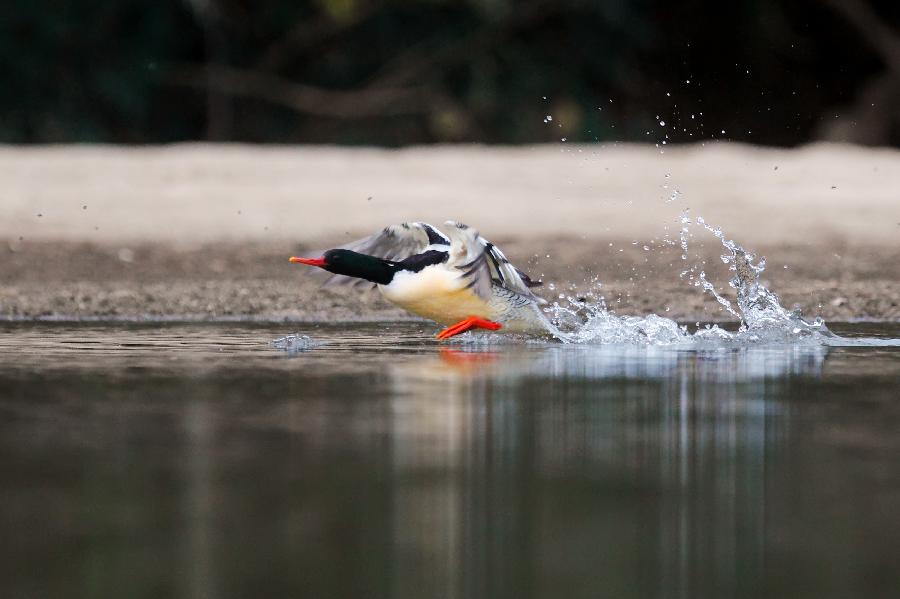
459, 279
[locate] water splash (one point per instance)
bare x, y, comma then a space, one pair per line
761, 315
294, 343
760, 308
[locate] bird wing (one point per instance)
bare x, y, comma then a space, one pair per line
485, 265
393, 243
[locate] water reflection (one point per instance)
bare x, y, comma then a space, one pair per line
657, 455
381, 465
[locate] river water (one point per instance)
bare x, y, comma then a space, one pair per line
368, 460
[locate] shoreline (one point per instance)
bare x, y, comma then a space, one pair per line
252, 320
255, 283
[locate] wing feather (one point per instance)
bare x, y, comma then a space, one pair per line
484, 263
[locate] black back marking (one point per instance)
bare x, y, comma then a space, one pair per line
417, 262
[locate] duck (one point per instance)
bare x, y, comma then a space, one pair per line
458, 279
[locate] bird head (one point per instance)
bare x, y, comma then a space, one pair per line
352, 264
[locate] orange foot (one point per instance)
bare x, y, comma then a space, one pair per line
472, 322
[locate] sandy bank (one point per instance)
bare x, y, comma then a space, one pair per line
193, 194
203, 231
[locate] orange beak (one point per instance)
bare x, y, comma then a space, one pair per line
320, 262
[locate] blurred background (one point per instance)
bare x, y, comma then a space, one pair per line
396, 72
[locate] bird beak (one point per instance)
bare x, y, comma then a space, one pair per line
320, 262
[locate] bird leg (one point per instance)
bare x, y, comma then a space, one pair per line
472, 322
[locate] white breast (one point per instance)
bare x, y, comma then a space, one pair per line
435, 292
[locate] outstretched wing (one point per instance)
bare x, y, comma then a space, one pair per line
394, 243
485, 265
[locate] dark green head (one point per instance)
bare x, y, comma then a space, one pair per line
353, 264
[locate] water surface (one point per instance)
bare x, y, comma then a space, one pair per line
198, 461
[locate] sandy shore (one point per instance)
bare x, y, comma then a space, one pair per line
203, 232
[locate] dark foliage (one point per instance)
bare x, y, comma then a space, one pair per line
394, 72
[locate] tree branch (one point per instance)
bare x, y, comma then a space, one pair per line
306, 33
415, 61
871, 28
316, 101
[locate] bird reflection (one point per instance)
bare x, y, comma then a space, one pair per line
519, 451
467, 361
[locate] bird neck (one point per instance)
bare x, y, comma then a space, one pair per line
369, 268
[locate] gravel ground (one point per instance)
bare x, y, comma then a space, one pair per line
254, 281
